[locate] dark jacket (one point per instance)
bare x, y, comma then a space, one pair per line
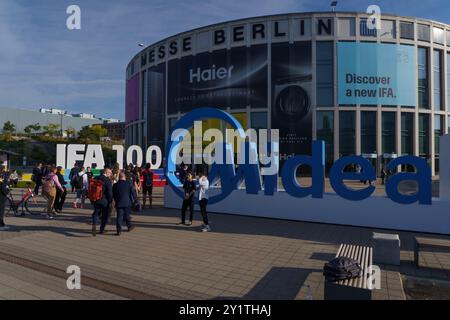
107, 191
189, 187
37, 174
3, 191
61, 179
73, 173
124, 194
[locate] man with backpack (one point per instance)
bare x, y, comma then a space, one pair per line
101, 196
72, 175
147, 185
81, 184
3, 196
51, 183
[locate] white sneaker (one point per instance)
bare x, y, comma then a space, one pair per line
206, 229
50, 217
189, 223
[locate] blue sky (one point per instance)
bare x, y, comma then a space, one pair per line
44, 64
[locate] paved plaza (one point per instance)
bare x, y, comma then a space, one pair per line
243, 258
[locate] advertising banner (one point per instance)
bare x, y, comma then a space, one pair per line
291, 97
371, 73
234, 78
132, 99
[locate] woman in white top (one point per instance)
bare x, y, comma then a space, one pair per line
203, 200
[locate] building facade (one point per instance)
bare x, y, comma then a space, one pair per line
22, 118
377, 92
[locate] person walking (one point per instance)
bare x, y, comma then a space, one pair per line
49, 187
72, 175
13, 178
203, 200
383, 175
101, 206
81, 184
147, 186
89, 173
37, 177
189, 188
60, 196
124, 196
4, 190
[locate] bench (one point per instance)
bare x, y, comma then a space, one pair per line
422, 243
356, 288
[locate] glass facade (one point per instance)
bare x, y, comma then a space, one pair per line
368, 132
438, 35
438, 126
448, 81
388, 132
325, 132
324, 64
424, 135
423, 89
407, 132
437, 76
347, 133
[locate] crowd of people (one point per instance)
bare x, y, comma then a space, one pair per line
114, 189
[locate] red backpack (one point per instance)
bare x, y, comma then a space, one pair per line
95, 190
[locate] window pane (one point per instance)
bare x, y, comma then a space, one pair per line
388, 29
423, 32
448, 81
388, 132
423, 78
347, 139
437, 63
368, 132
424, 135
346, 27
438, 35
325, 126
407, 30
407, 133
437, 132
365, 31
324, 61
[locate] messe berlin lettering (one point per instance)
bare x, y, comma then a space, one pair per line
249, 172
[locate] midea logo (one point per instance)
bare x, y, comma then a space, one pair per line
214, 73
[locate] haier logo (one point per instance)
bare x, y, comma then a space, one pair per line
214, 73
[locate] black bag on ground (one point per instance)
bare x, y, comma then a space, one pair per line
341, 268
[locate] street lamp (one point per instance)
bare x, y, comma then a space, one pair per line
333, 5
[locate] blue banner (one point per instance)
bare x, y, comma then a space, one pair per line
372, 73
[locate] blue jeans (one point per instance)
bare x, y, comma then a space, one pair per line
123, 214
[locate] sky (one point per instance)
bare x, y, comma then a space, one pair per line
43, 64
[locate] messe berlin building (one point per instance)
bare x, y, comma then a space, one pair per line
377, 92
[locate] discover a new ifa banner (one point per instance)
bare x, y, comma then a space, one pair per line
372, 74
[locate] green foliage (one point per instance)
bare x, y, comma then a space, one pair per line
90, 134
8, 128
52, 130
32, 128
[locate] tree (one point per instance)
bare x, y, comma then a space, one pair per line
52, 129
29, 129
71, 132
92, 133
8, 128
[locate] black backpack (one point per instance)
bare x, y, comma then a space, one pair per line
78, 181
148, 179
341, 268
